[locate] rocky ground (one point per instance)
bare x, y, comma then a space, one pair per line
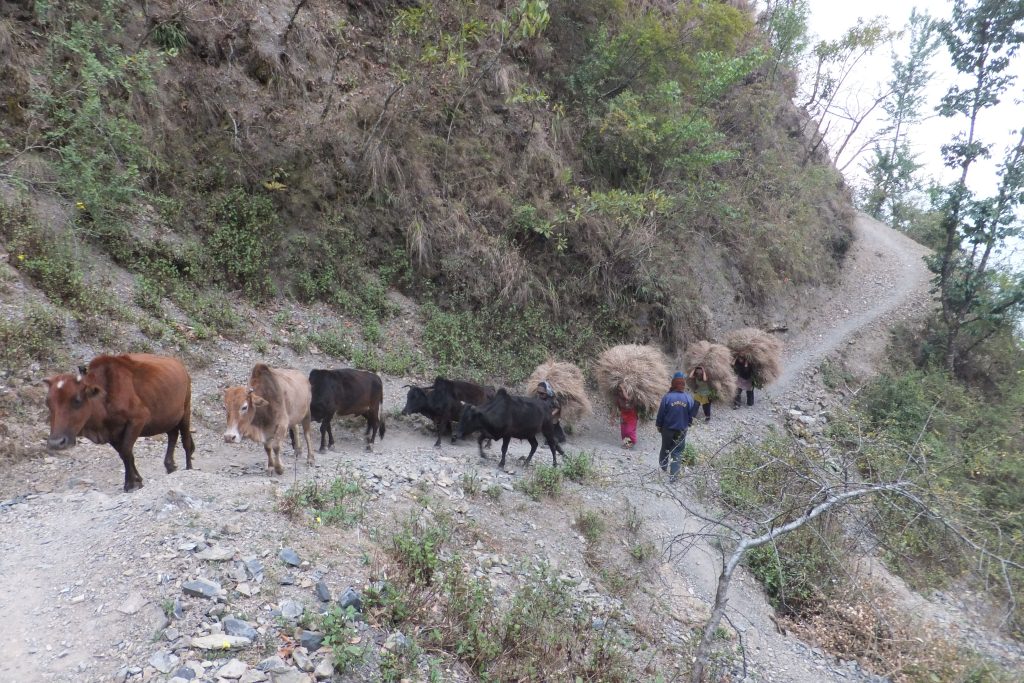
199, 576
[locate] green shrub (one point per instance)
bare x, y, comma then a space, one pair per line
546, 481
578, 467
415, 547
244, 239
37, 336
590, 524
803, 569
334, 342
340, 503
339, 633
389, 604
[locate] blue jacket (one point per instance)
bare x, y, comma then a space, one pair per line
676, 411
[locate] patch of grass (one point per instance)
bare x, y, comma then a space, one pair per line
546, 481
590, 524
494, 492
834, 375
388, 603
36, 337
471, 484
643, 551
416, 546
579, 467
340, 503
334, 342
244, 239
339, 634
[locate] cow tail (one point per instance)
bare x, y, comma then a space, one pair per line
380, 418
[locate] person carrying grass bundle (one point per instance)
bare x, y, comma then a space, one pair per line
675, 414
628, 418
744, 370
702, 390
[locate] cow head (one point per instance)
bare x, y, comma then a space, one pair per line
241, 405
416, 401
72, 400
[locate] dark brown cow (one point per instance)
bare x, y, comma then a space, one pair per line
347, 392
267, 409
116, 400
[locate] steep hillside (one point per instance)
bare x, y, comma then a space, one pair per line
540, 177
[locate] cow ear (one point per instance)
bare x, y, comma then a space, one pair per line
91, 390
259, 401
82, 370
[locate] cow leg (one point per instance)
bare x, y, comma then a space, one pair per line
270, 457
172, 441
451, 430
371, 429
307, 426
325, 427
480, 445
504, 451
124, 446
533, 449
187, 443
293, 438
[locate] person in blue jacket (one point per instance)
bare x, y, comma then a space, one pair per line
675, 414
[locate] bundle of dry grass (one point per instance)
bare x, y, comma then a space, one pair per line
640, 371
570, 388
716, 360
762, 350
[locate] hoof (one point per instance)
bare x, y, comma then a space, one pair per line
134, 486
322, 450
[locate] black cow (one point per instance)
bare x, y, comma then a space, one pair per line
443, 402
347, 392
509, 417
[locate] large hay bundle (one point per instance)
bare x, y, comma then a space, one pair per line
570, 388
716, 360
641, 371
762, 350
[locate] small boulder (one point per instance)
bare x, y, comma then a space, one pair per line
163, 661
311, 640
132, 604
289, 557
220, 642
291, 609
323, 592
237, 627
233, 670
202, 588
351, 598
301, 659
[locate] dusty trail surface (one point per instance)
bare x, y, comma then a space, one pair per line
89, 572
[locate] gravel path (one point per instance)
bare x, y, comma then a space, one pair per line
89, 572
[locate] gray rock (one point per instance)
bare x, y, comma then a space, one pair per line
163, 661
178, 679
290, 609
153, 616
216, 553
351, 598
287, 580
132, 604
289, 557
301, 659
273, 665
311, 640
179, 611
292, 676
396, 642
202, 588
253, 676
324, 670
254, 567
233, 670
237, 627
323, 593
220, 642
185, 673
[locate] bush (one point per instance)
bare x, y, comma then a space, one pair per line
591, 524
36, 337
416, 548
341, 503
339, 634
546, 481
245, 238
803, 569
578, 467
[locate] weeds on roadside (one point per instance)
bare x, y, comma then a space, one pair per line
579, 467
342, 502
546, 481
339, 634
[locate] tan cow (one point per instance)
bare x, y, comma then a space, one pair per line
267, 409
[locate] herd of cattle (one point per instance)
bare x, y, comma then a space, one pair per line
117, 399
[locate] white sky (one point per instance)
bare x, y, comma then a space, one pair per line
830, 19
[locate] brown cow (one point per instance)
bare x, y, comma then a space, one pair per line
116, 400
267, 409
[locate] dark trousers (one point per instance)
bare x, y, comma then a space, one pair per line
750, 397
672, 444
707, 410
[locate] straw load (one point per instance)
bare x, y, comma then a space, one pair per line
570, 388
762, 350
716, 360
641, 372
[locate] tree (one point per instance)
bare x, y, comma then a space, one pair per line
837, 109
892, 168
975, 296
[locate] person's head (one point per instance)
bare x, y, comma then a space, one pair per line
544, 388
678, 382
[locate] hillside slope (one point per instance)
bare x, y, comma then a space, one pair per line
95, 568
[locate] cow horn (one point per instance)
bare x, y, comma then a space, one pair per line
82, 370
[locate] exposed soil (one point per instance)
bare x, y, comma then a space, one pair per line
74, 548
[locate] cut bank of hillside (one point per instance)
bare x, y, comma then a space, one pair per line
586, 172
